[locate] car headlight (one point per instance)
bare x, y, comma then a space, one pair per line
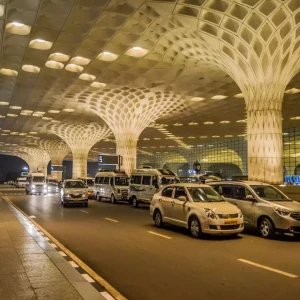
45, 185
240, 214
281, 211
33, 186
67, 195
209, 213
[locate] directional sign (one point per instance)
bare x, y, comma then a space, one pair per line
57, 168
106, 159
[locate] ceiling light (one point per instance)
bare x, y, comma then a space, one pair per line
208, 123
292, 91
98, 85
31, 69
191, 137
146, 139
177, 124
137, 52
32, 132
74, 68
15, 107
197, 99
215, 136
40, 44
203, 137
287, 143
17, 28
87, 77
55, 121
37, 115
52, 111
46, 118
4, 103
193, 124
218, 97
11, 115
22, 133
224, 122
8, 72
6, 130
2, 117
68, 109
242, 121
78, 60
285, 133
295, 118
228, 135
14, 133
60, 57
39, 112
240, 95
107, 56
157, 138
210, 145
242, 134
52, 64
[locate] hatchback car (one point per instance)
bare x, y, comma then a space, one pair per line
264, 207
74, 191
197, 207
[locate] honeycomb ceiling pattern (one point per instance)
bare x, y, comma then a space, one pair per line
58, 55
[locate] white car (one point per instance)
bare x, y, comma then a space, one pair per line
74, 191
197, 207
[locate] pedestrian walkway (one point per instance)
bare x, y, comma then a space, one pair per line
30, 268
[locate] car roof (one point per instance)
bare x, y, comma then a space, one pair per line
189, 184
239, 182
73, 180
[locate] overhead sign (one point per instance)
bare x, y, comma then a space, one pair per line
57, 168
106, 159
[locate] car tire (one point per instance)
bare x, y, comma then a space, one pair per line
26, 192
135, 202
98, 198
86, 204
112, 199
195, 228
158, 220
266, 228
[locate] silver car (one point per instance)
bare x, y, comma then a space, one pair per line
197, 207
74, 191
264, 207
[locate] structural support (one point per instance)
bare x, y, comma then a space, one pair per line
127, 148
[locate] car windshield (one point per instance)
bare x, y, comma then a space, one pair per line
123, 181
74, 184
169, 180
268, 192
90, 182
204, 194
38, 179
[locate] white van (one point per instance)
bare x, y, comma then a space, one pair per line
20, 182
111, 185
144, 183
89, 182
36, 183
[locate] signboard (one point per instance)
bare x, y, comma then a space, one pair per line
24, 174
106, 159
57, 168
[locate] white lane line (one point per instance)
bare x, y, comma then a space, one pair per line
268, 268
87, 278
107, 296
112, 220
161, 235
62, 253
84, 211
53, 245
73, 264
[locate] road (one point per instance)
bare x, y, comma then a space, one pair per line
142, 262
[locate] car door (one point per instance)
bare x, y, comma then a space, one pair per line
227, 191
180, 207
165, 202
247, 206
148, 192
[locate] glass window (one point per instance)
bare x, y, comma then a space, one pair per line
97, 179
225, 190
106, 180
146, 180
167, 192
122, 181
180, 191
38, 179
101, 179
137, 179
268, 192
154, 181
241, 192
204, 194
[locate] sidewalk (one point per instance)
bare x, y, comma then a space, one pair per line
30, 268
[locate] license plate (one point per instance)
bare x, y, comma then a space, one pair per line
230, 222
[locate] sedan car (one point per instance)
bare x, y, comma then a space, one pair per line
197, 207
74, 191
52, 187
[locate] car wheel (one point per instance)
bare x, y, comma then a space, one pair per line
266, 228
86, 204
112, 199
158, 219
98, 198
135, 202
195, 227
26, 192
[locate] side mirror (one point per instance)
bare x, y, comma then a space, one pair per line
182, 198
250, 198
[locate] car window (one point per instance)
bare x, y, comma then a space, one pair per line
137, 179
100, 180
180, 191
167, 192
225, 190
241, 192
154, 181
106, 180
146, 180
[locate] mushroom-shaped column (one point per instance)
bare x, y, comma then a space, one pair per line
57, 151
80, 138
128, 112
41, 158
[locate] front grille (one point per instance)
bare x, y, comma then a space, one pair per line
296, 216
229, 227
228, 216
76, 196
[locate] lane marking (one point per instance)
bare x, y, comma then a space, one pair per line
112, 220
84, 211
268, 268
62, 253
53, 245
73, 264
161, 235
32, 217
107, 296
88, 278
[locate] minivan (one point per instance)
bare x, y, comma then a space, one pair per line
36, 184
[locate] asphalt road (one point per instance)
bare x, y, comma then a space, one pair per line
120, 244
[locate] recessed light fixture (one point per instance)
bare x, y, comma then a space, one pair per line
87, 77
224, 122
242, 134
2, 117
98, 85
46, 118
15, 107
52, 111
33, 132
197, 99
215, 136
31, 69
191, 137
203, 136
146, 139
17, 28
177, 124
68, 110
107, 56
40, 112
12, 115
79, 60
292, 91
52, 64
4, 103
228, 135
157, 138
285, 133
240, 95
37, 115
242, 121
287, 143
193, 124
218, 97
8, 72
208, 123
295, 118
40, 44
60, 57
74, 68
6, 130
137, 52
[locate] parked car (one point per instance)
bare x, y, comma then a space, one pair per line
197, 207
74, 191
264, 207
21, 182
52, 187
